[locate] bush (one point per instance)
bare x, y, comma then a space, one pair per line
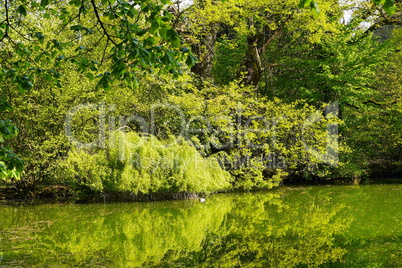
260, 141
144, 165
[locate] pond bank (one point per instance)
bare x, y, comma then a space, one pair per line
62, 193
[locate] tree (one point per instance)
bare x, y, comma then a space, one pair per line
261, 23
133, 36
387, 5
257, 23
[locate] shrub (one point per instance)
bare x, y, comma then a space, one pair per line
144, 165
260, 141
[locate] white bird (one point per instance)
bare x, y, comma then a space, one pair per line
202, 200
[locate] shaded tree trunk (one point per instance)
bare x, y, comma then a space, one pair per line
252, 63
256, 45
205, 52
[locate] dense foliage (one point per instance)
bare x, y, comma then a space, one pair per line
277, 93
131, 163
260, 141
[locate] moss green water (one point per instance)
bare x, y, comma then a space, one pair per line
318, 226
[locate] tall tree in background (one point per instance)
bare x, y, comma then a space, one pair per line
259, 22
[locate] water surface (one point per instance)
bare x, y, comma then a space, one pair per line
317, 226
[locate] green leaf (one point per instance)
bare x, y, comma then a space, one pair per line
76, 28
163, 32
145, 7
165, 2
377, 2
165, 60
135, 82
40, 36
191, 60
5, 131
143, 63
44, 3
26, 85
76, 3
118, 68
304, 3
3, 168
19, 165
13, 130
90, 76
313, 5
315, 10
105, 80
150, 41
185, 50
4, 105
173, 38
154, 27
134, 54
389, 7
22, 10
88, 30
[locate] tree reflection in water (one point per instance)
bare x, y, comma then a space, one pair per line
264, 231
293, 227
246, 230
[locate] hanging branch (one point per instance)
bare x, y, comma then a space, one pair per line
6, 21
101, 23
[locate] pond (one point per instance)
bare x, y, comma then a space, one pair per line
310, 226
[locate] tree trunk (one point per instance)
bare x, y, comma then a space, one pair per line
205, 52
252, 62
256, 46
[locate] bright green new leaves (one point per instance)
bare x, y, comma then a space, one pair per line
144, 165
259, 141
387, 5
10, 164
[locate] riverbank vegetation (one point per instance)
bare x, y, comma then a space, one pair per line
157, 98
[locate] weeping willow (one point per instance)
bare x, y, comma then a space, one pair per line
144, 165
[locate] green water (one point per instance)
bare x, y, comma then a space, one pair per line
317, 226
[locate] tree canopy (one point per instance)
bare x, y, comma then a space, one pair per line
226, 64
